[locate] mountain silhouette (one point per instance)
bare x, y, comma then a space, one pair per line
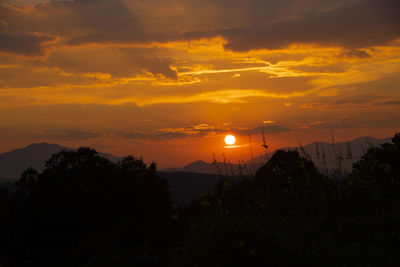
200, 166
357, 147
14, 162
349, 152
185, 186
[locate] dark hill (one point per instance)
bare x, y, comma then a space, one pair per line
14, 162
185, 186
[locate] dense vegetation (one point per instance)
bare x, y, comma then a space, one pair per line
83, 210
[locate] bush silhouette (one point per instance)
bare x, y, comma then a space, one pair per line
381, 164
80, 196
84, 210
289, 214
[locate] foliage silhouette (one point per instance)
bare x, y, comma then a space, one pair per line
381, 164
289, 214
79, 196
84, 210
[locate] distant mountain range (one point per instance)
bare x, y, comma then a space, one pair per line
207, 168
184, 186
195, 178
328, 156
349, 152
13, 163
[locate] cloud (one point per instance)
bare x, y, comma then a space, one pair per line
25, 76
3, 25
167, 136
161, 66
327, 124
203, 129
245, 25
27, 44
388, 103
162, 134
266, 129
74, 19
104, 37
154, 136
269, 122
339, 102
67, 135
333, 124
134, 135
353, 25
117, 61
354, 53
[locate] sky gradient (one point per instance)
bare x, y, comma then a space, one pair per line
168, 79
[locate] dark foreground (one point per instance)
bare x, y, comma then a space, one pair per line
83, 210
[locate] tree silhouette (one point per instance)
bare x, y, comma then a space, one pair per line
381, 164
84, 210
80, 196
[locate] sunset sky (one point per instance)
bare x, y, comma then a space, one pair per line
168, 79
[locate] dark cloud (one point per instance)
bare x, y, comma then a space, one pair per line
92, 21
349, 123
67, 135
334, 124
3, 25
134, 135
246, 25
332, 103
354, 100
104, 37
109, 16
156, 136
267, 129
85, 135
24, 43
200, 130
117, 61
388, 103
83, 17
352, 25
167, 136
16, 76
354, 53
331, 68
365, 23
161, 66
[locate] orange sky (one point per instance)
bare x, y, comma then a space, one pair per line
168, 79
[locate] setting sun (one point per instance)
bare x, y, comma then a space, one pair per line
230, 139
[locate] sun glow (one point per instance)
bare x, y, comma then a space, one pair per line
230, 139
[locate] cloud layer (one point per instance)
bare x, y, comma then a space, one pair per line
159, 75
245, 25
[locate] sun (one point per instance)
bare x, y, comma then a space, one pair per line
230, 139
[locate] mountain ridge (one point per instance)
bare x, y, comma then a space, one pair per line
358, 146
14, 162
35, 155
